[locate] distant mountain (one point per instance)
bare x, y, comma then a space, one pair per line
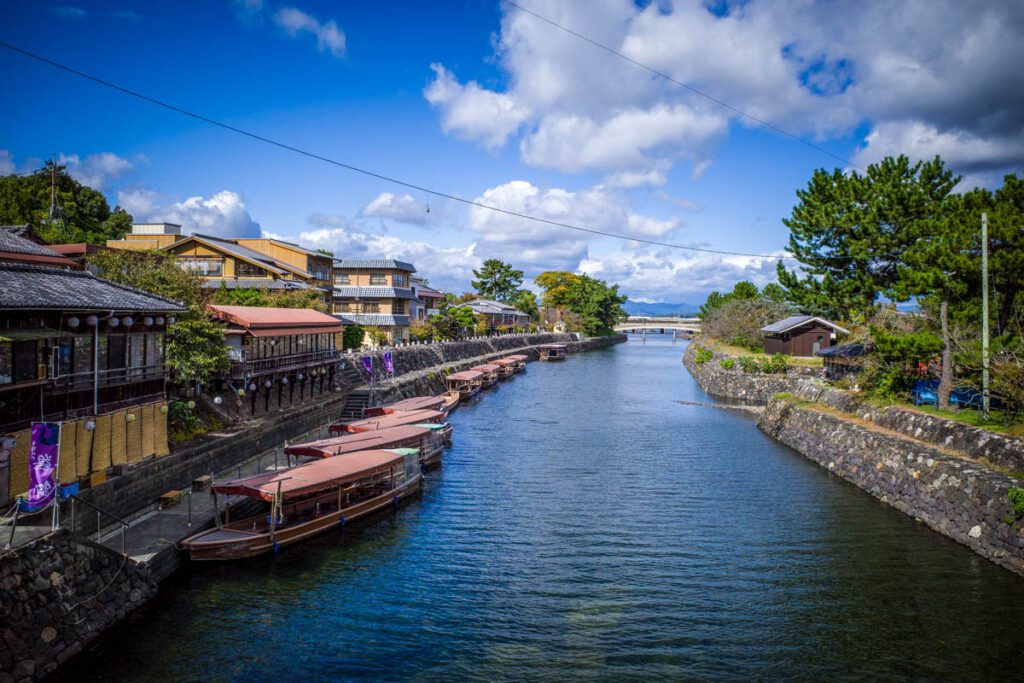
665, 309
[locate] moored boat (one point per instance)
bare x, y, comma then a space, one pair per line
506, 367
405, 417
466, 383
451, 401
520, 360
552, 352
428, 438
414, 403
308, 499
490, 373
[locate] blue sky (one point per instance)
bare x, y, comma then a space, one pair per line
480, 100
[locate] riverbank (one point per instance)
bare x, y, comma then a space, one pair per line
951, 476
79, 570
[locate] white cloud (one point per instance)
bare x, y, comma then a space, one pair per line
471, 112
402, 208
126, 15
6, 162
68, 12
222, 215
820, 70
329, 38
95, 170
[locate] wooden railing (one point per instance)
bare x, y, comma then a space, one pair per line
298, 361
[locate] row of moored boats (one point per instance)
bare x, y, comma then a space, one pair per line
364, 467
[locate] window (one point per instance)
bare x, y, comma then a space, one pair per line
202, 266
83, 354
399, 280
341, 279
398, 307
378, 278
343, 306
371, 305
243, 269
6, 363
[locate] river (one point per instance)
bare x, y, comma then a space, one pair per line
587, 525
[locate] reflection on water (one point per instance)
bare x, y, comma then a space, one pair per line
586, 524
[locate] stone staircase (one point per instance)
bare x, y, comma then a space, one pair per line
355, 402
350, 376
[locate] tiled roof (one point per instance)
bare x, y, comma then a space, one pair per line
374, 319
378, 264
254, 284
246, 253
793, 321
37, 287
12, 242
492, 307
354, 292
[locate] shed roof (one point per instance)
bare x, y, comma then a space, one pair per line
294, 320
794, 321
371, 263
313, 476
24, 286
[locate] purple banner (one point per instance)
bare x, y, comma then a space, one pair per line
389, 363
368, 366
43, 454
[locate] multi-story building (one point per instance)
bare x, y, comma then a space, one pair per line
236, 263
428, 300
498, 314
375, 293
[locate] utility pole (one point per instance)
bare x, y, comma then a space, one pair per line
984, 316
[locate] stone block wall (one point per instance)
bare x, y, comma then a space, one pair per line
958, 498
57, 594
753, 388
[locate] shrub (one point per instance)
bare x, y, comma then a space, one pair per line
749, 364
1016, 496
703, 355
777, 364
739, 321
727, 363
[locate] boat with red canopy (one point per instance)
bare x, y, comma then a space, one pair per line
552, 352
415, 403
506, 367
308, 499
466, 383
520, 360
490, 372
427, 438
406, 417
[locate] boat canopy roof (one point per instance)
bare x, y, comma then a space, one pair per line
505, 361
551, 346
486, 367
405, 417
518, 357
466, 375
416, 403
352, 443
314, 476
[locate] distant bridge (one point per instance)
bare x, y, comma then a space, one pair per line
687, 327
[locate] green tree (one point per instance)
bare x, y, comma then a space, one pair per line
526, 301
744, 289
849, 232
195, 350
558, 287
1006, 246
83, 216
598, 304
774, 291
714, 301
497, 280
352, 337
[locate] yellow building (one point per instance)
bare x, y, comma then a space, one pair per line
375, 293
236, 263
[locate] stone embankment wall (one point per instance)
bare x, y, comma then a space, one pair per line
57, 594
753, 388
961, 499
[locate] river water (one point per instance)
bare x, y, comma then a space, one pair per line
587, 525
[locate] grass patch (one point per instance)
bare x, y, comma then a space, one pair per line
731, 350
971, 416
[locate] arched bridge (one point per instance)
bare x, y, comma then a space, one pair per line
684, 326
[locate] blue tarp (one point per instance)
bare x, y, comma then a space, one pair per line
926, 392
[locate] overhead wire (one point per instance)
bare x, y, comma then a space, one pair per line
373, 174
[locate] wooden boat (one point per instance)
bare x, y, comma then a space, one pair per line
490, 372
506, 367
415, 403
466, 383
405, 417
451, 401
520, 360
552, 352
307, 500
428, 439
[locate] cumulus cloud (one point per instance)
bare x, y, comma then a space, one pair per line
95, 170
921, 77
402, 208
471, 112
221, 215
295, 22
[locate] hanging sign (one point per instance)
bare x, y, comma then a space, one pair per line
368, 365
43, 456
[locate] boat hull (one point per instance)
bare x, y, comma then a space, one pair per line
233, 542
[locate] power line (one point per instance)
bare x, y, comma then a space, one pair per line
695, 91
372, 174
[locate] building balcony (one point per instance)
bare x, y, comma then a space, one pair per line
281, 364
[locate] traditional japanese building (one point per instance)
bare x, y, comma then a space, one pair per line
800, 335
375, 293
498, 314
279, 356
